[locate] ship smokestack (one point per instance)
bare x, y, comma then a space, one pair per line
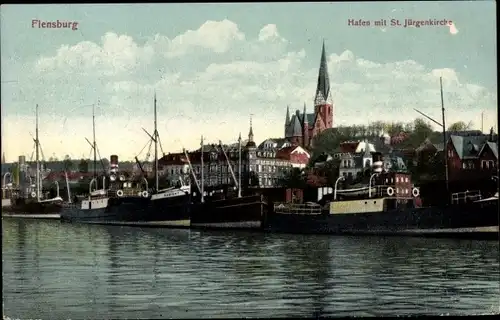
113, 163
377, 162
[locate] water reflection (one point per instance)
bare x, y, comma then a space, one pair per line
78, 271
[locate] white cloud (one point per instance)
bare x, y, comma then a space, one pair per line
223, 78
270, 33
116, 55
216, 36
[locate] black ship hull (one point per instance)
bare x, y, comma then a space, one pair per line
165, 212
104, 210
472, 220
23, 208
236, 213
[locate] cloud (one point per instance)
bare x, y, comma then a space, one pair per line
208, 81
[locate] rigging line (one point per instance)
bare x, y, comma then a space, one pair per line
102, 161
149, 151
161, 147
145, 145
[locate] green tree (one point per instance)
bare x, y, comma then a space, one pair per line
330, 171
460, 126
68, 164
295, 178
83, 166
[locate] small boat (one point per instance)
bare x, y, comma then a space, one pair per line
33, 203
108, 203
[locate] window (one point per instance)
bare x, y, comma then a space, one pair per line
492, 164
397, 179
397, 190
406, 179
464, 166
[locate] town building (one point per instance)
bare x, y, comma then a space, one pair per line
301, 128
261, 166
472, 157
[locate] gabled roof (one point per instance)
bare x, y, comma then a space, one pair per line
285, 153
279, 142
493, 147
294, 129
468, 146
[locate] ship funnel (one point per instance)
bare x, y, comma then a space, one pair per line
378, 163
113, 164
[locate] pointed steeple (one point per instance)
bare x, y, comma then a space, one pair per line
250, 133
304, 115
323, 85
287, 120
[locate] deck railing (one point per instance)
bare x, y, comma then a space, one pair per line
112, 193
292, 208
464, 197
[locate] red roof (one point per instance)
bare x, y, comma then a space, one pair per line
349, 146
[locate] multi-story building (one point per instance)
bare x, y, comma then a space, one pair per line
300, 129
472, 157
261, 166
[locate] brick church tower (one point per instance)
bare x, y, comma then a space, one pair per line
301, 128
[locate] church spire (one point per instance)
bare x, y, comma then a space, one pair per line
304, 116
250, 133
287, 120
323, 86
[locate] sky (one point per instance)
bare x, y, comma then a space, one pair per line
215, 66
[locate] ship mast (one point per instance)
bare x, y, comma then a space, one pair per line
155, 136
202, 175
37, 157
445, 155
93, 141
239, 166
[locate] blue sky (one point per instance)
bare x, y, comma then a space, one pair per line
212, 65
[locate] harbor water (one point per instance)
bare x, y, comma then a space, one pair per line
70, 271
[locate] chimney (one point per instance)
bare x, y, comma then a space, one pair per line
113, 163
492, 135
377, 162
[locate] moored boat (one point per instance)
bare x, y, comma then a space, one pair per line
31, 202
223, 208
469, 216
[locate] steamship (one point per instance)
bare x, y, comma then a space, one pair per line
124, 204
29, 200
390, 206
223, 207
117, 198
169, 207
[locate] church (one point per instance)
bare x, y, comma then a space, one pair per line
301, 128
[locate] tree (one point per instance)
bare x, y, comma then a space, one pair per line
83, 166
330, 170
68, 164
460, 126
295, 178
